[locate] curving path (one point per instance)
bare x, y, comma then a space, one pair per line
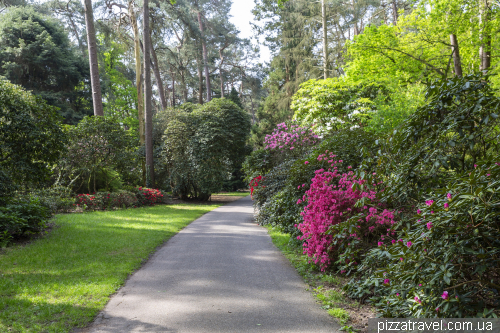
220, 274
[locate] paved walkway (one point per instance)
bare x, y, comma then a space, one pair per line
220, 274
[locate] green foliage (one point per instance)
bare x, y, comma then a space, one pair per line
20, 217
332, 104
56, 198
394, 108
99, 148
282, 212
235, 97
455, 129
6, 187
35, 52
454, 248
273, 182
119, 91
258, 162
30, 136
203, 147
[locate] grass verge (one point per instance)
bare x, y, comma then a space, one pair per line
327, 288
63, 280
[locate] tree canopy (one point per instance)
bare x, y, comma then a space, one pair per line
36, 53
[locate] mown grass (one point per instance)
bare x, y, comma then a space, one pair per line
319, 282
64, 279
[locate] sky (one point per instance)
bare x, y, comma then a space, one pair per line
242, 15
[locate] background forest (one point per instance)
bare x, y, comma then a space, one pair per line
371, 136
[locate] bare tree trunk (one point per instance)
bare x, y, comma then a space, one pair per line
200, 83
394, 12
94, 65
221, 83
356, 32
205, 58
138, 71
173, 87
325, 40
184, 87
138, 80
456, 55
221, 75
484, 36
156, 70
253, 109
147, 98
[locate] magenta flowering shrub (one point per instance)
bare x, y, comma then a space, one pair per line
447, 260
335, 227
289, 141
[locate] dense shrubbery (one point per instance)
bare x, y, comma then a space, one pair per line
141, 196
203, 146
21, 217
284, 185
56, 198
30, 136
100, 155
446, 262
412, 217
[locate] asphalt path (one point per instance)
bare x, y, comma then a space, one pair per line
220, 274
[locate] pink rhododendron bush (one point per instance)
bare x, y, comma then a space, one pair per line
289, 141
446, 262
335, 227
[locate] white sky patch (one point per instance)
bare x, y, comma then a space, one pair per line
241, 11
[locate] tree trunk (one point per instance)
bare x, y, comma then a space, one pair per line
205, 58
138, 71
253, 109
356, 32
221, 73
94, 65
484, 36
394, 13
200, 82
456, 55
325, 40
156, 70
173, 87
138, 80
147, 98
184, 87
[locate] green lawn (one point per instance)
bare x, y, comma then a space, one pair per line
66, 278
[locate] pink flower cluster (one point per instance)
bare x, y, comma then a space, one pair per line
330, 201
286, 138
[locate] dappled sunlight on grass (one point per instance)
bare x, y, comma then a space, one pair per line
62, 280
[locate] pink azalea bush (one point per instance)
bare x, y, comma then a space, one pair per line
334, 226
